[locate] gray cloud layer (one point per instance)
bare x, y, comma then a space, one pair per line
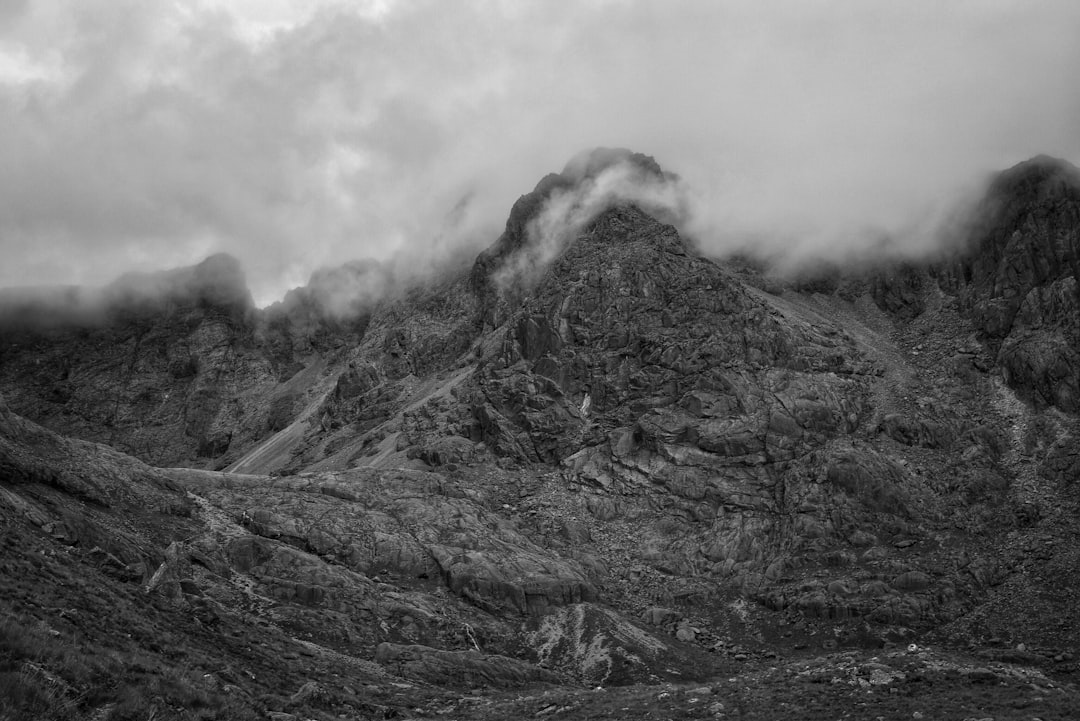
141, 135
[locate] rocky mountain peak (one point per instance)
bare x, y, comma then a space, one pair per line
338, 292
1040, 177
591, 163
628, 222
217, 282
559, 205
1019, 278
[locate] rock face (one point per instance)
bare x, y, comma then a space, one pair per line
410, 524
1019, 281
176, 368
520, 234
70, 489
604, 648
614, 461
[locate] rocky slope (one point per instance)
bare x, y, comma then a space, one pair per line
403, 576
1019, 280
176, 368
613, 461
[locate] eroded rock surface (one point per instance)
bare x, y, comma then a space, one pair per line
1019, 279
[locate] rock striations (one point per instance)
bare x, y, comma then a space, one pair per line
606, 461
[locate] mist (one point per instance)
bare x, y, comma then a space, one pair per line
217, 280
147, 135
583, 192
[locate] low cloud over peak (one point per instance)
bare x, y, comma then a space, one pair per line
144, 135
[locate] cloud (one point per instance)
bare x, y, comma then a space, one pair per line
142, 135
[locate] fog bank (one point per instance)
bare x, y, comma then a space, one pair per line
146, 135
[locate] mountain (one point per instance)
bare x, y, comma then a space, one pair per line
593, 458
177, 368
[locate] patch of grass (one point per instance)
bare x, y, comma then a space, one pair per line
24, 696
24, 640
180, 694
46, 675
43, 674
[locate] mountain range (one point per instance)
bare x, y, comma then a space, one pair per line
594, 474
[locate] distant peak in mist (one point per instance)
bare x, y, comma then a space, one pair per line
1037, 172
591, 163
541, 223
1045, 162
217, 280
339, 292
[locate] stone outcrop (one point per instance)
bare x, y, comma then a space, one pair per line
411, 524
600, 647
1019, 279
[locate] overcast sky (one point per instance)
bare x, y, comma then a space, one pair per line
139, 134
